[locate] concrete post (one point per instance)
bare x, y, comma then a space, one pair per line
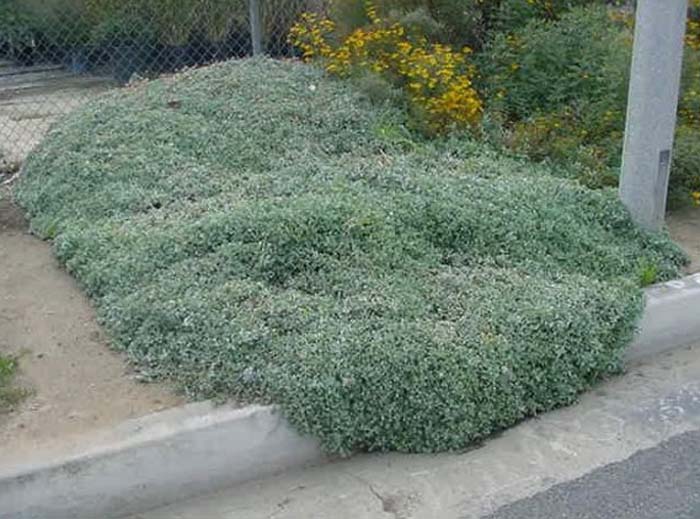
651, 111
256, 27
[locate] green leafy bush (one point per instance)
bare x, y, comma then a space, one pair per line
169, 22
254, 230
559, 90
685, 167
57, 25
515, 14
65, 24
458, 22
579, 62
17, 31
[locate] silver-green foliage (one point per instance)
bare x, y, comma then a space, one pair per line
257, 231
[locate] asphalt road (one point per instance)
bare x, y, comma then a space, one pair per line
659, 483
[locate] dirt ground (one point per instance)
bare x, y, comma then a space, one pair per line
685, 229
77, 383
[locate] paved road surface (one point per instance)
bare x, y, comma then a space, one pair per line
659, 483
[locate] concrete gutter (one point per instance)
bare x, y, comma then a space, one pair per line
197, 449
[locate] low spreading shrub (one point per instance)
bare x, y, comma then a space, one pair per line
257, 231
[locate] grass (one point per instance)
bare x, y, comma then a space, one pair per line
10, 395
253, 230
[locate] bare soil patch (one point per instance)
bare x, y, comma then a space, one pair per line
685, 230
75, 382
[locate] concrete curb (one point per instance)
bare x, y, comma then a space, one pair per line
199, 448
155, 460
671, 318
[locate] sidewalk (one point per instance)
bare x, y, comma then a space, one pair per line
654, 402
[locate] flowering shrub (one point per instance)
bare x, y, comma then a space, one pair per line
457, 22
437, 80
693, 36
693, 31
554, 80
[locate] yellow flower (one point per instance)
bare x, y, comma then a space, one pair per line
438, 79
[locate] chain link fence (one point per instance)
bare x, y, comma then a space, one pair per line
56, 55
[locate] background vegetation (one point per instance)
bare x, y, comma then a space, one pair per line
550, 77
140, 35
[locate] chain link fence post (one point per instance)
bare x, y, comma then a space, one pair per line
256, 31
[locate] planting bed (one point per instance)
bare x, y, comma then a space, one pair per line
254, 230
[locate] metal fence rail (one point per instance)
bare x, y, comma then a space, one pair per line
56, 55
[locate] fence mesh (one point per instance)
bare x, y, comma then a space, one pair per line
56, 55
